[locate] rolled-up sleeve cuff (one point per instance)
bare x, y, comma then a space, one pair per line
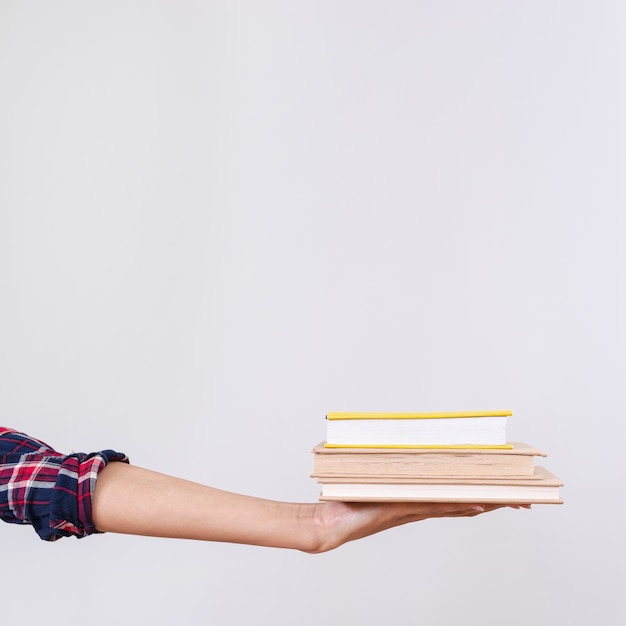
70, 511
51, 491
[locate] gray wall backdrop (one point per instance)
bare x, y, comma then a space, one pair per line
220, 220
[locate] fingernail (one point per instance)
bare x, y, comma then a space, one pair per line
479, 508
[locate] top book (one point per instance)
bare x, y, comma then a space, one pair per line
463, 429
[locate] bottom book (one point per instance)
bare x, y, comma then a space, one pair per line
542, 488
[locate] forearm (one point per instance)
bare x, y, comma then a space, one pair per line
133, 500
137, 501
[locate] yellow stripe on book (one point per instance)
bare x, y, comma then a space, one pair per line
503, 446
409, 416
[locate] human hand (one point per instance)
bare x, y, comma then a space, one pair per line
339, 522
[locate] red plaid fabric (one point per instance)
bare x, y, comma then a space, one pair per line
46, 489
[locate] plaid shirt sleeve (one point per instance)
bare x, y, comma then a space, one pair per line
46, 489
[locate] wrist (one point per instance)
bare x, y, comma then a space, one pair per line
319, 523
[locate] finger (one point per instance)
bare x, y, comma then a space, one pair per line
459, 508
478, 509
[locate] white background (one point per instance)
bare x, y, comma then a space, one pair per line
220, 220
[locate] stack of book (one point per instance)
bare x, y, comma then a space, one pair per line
429, 457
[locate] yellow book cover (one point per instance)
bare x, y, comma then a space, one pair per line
374, 415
